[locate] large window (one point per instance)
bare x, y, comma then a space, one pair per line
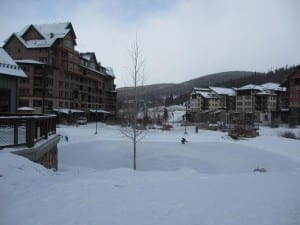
5, 100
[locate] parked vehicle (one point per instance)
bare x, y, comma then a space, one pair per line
81, 120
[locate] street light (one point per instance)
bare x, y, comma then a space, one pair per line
186, 106
96, 119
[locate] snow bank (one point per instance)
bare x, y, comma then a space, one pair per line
207, 181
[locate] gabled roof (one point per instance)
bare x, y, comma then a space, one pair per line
223, 91
201, 89
49, 32
251, 87
206, 94
110, 71
272, 86
88, 56
9, 67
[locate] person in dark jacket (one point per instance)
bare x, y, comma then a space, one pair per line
183, 140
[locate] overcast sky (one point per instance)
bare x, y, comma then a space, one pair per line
180, 39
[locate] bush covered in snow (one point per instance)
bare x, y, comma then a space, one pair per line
289, 134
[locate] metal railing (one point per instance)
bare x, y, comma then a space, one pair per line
24, 129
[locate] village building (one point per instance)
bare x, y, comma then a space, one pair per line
264, 101
10, 73
293, 92
202, 99
59, 77
226, 97
246, 97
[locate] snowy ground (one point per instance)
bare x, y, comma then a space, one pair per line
208, 181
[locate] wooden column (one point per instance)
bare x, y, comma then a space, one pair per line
16, 133
30, 134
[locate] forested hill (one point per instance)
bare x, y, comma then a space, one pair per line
155, 94
160, 90
276, 76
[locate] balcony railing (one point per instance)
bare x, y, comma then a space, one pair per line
25, 130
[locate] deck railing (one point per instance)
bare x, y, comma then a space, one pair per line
24, 129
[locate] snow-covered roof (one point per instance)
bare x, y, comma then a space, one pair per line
99, 111
66, 111
266, 92
29, 61
223, 91
272, 86
201, 89
110, 71
8, 66
49, 32
87, 55
251, 87
206, 94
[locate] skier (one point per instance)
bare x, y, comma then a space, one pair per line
183, 140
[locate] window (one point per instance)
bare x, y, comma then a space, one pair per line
23, 103
37, 103
50, 82
68, 43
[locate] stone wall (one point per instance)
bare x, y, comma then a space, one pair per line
44, 153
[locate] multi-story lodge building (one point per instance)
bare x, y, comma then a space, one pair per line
212, 99
58, 75
264, 100
203, 99
246, 96
226, 97
293, 89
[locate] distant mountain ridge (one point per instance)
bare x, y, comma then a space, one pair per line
154, 94
165, 89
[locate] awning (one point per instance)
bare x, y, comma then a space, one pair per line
99, 111
25, 109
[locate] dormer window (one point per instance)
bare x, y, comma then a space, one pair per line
68, 43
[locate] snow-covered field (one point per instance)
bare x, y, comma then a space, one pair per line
208, 181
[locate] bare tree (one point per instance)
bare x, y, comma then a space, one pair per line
130, 130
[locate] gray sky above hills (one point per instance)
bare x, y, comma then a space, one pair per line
180, 39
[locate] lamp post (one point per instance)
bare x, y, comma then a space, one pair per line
43, 87
96, 119
186, 106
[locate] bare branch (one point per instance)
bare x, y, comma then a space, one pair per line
137, 72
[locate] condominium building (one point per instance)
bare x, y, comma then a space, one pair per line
58, 75
293, 92
203, 99
246, 96
226, 97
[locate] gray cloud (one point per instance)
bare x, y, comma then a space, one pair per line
180, 40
